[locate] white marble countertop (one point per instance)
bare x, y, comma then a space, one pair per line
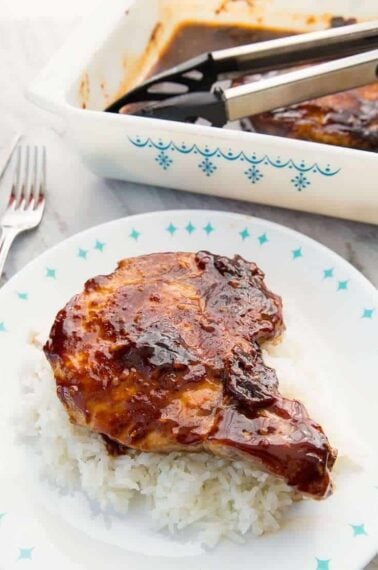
77, 199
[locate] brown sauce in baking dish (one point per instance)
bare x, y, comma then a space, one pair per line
193, 39
348, 119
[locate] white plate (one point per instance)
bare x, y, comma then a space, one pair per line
41, 529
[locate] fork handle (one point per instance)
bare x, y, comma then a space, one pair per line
7, 237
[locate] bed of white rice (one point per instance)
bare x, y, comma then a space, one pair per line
214, 497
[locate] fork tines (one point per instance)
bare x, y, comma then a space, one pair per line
29, 181
27, 197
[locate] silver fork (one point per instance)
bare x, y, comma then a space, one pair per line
27, 197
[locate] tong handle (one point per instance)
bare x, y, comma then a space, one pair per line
301, 85
301, 48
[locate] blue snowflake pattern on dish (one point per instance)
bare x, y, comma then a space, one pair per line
254, 174
235, 158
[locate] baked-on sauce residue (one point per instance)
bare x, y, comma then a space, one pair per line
347, 119
164, 354
192, 39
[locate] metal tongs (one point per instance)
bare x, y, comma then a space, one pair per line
187, 92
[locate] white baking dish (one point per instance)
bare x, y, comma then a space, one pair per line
108, 54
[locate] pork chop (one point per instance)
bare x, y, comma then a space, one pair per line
164, 354
348, 119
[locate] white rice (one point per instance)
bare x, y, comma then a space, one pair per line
196, 491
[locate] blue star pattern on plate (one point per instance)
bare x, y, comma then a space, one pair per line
2, 326
328, 273
208, 228
342, 285
22, 295
358, 529
322, 564
25, 553
262, 239
367, 313
244, 234
171, 229
134, 234
296, 253
82, 253
51, 273
190, 228
99, 245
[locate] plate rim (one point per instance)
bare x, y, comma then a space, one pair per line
364, 281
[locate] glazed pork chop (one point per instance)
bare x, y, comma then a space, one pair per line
164, 354
348, 119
